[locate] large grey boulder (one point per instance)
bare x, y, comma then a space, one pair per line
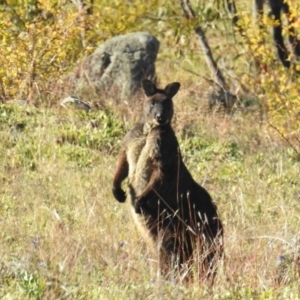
117, 66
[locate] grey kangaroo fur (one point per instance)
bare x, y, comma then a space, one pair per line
174, 207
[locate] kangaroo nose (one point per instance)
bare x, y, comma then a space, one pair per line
160, 118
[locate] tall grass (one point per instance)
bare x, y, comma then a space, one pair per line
64, 236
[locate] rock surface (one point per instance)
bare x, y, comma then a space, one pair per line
117, 66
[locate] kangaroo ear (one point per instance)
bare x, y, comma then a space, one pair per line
149, 87
172, 89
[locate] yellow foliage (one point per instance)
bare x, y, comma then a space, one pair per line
277, 88
42, 40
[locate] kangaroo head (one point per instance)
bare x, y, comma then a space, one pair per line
158, 107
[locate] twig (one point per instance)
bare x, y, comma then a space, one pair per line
216, 73
286, 139
272, 238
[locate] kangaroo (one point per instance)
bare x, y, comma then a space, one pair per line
178, 213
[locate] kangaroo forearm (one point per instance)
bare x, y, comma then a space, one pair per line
155, 179
121, 174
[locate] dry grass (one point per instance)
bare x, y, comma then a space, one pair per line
65, 237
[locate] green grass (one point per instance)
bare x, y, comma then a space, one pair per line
65, 237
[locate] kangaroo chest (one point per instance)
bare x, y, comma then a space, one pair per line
149, 153
133, 153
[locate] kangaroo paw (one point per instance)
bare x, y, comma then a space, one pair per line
119, 194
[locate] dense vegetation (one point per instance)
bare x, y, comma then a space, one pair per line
63, 236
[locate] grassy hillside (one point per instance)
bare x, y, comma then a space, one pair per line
65, 237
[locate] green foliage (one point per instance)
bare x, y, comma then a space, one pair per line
79, 137
193, 147
224, 158
32, 285
103, 133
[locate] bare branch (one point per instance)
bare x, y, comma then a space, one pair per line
286, 139
215, 71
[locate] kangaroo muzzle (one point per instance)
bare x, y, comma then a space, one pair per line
161, 119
